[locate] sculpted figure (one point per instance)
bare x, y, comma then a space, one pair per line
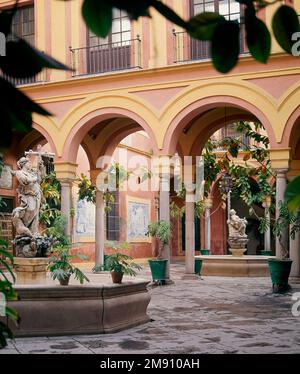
26, 216
236, 225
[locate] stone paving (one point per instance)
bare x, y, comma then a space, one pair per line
209, 315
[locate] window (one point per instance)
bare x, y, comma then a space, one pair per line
230, 131
230, 9
113, 219
120, 31
23, 24
113, 52
6, 204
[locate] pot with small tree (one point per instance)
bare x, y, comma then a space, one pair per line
160, 230
60, 265
62, 269
119, 264
286, 225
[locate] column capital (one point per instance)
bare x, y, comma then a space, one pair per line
66, 182
280, 158
281, 173
65, 171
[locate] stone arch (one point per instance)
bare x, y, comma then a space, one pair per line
200, 99
47, 128
212, 127
85, 116
289, 114
291, 134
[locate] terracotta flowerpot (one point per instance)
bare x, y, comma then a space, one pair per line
116, 277
65, 281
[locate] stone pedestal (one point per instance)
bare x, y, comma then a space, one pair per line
237, 245
30, 270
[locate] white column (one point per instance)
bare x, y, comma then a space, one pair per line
267, 236
280, 189
189, 234
164, 213
66, 196
208, 206
99, 229
295, 255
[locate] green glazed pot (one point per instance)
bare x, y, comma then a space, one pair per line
280, 272
158, 269
198, 266
205, 252
266, 253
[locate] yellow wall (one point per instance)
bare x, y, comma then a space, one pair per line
59, 49
179, 86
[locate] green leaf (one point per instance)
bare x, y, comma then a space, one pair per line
203, 25
225, 46
33, 61
258, 36
16, 112
134, 8
284, 24
233, 150
292, 194
98, 16
246, 2
170, 15
6, 17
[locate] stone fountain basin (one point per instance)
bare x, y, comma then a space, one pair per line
235, 266
49, 310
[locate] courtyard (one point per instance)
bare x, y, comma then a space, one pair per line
212, 315
152, 146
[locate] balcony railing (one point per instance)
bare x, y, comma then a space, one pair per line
188, 49
104, 58
39, 78
245, 142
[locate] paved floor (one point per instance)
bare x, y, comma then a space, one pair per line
210, 315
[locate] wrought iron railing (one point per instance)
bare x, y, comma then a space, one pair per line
39, 78
244, 145
188, 49
106, 58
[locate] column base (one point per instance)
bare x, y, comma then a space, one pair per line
165, 282
30, 270
294, 279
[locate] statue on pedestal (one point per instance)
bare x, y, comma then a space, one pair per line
238, 238
28, 242
236, 225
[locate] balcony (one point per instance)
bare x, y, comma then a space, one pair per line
244, 139
187, 49
105, 58
41, 77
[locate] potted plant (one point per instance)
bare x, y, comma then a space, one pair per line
280, 268
117, 247
61, 268
160, 230
119, 264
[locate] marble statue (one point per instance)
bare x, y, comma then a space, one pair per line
28, 242
26, 216
238, 238
236, 225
